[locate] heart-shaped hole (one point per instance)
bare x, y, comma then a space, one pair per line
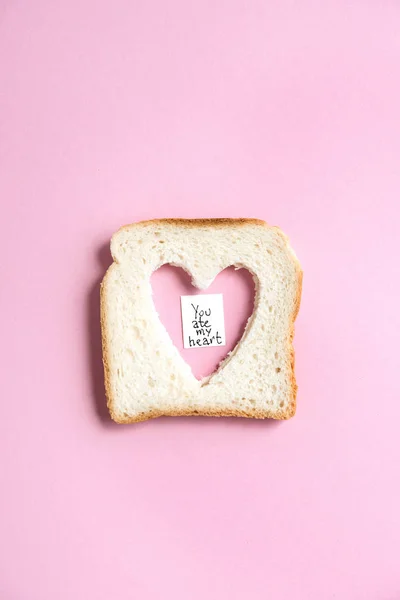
237, 287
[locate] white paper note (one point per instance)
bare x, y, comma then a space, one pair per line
203, 321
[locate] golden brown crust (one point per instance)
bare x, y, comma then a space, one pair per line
210, 411
291, 409
219, 222
104, 342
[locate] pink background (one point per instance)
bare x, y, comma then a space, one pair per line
112, 112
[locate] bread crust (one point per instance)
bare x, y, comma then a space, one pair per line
105, 345
217, 222
210, 411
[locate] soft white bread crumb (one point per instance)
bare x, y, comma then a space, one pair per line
145, 375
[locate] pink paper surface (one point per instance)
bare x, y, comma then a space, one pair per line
112, 112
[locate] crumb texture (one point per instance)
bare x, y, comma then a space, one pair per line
145, 375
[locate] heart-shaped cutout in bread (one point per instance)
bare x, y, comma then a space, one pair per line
236, 286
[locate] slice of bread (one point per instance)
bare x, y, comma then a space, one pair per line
145, 376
